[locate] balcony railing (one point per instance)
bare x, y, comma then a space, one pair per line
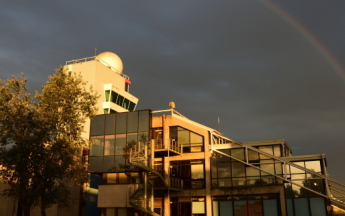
168, 145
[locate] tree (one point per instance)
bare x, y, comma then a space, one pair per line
46, 134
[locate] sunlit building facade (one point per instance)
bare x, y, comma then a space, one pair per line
162, 163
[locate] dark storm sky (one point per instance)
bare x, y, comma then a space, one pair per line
238, 60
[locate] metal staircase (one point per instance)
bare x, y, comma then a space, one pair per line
141, 155
335, 190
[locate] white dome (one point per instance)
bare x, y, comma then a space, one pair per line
111, 59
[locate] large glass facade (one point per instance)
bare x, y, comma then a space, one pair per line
187, 206
110, 137
228, 172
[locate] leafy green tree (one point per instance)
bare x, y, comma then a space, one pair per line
45, 132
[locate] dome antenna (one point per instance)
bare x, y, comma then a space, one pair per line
95, 50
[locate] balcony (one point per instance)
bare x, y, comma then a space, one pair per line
167, 147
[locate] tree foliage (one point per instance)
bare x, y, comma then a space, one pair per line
44, 133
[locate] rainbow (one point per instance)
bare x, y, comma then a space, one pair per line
329, 57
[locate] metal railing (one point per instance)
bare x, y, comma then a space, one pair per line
168, 145
140, 155
87, 59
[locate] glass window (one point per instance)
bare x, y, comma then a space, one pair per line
121, 122
267, 167
110, 124
110, 212
108, 163
131, 106
132, 137
295, 170
223, 158
313, 165
251, 171
126, 103
198, 207
318, 206
122, 212
197, 171
225, 208
270, 208
144, 120
95, 164
267, 149
120, 143
123, 179
240, 208
253, 156
120, 163
109, 145
111, 178
238, 153
120, 100
301, 207
132, 125
255, 208
277, 150
289, 207
238, 169
113, 97
224, 170
97, 145
97, 125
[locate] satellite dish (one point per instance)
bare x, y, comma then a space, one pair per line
172, 105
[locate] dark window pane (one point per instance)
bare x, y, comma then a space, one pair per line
121, 122
224, 182
224, 170
110, 124
318, 206
224, 158
132, 125
144, 120
97, 125
120, 100
225, 208
126, 103
238, 169
131, 106
97, 145
108, 163
132, 137
270, 208
113, 96
289, 207
120, 143
301, 207
95, 164
120, 163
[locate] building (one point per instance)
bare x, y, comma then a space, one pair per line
161, 163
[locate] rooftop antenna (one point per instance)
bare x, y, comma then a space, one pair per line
95, 50
218, 124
